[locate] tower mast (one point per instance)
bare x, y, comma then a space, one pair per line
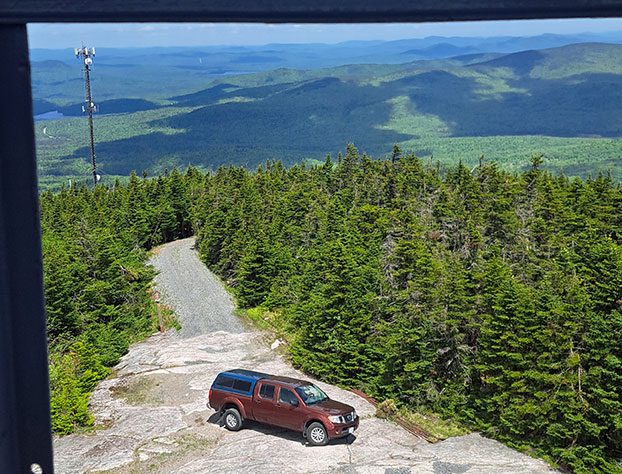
86, 55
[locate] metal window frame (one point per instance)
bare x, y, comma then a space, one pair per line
278, 11
25, 436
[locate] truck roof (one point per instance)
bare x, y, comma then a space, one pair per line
251, 374
287, 380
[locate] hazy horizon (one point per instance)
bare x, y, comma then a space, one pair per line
127, 35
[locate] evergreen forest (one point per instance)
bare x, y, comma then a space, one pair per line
97, 282
490, 297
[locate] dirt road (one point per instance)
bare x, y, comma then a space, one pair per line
152, 415
201, 303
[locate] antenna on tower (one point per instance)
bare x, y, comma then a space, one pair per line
86, 55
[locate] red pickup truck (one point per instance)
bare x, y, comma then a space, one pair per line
280, 401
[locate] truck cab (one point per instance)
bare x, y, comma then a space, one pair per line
286, 402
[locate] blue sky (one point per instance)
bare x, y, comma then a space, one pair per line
125, 35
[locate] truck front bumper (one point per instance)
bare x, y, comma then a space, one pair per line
341, 430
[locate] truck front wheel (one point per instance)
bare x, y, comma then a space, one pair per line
232, 419
317, 435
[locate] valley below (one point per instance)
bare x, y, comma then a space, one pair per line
562, 102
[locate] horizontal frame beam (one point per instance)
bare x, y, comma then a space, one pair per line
296, 11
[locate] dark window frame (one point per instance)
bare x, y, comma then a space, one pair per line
316, 11
25, 436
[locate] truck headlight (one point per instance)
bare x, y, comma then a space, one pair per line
335, 419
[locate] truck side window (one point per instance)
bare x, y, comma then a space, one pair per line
286, 396
242, 385
223, 381
266, 391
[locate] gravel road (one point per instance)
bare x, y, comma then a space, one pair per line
197, 296
151, 415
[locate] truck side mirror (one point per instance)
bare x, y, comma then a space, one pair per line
294, 402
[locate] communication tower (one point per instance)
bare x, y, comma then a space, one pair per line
86, 56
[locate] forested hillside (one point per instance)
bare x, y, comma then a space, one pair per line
563, 102
488, 297
96, 281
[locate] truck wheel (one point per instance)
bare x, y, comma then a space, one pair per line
317, 435
233, 420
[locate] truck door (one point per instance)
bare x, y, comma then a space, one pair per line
263, 403
288, 407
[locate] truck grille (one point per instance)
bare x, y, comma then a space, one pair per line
349, 417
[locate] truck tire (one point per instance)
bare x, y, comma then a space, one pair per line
317, 434
232, 419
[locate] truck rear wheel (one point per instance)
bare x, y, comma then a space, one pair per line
232, 419
317, 435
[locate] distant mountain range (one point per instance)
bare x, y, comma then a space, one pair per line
463, 90
158, 73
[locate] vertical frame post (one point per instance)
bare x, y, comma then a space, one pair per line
25, 439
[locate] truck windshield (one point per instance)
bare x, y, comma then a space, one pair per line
311, 394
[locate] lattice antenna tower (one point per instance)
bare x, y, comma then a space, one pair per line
86, 56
